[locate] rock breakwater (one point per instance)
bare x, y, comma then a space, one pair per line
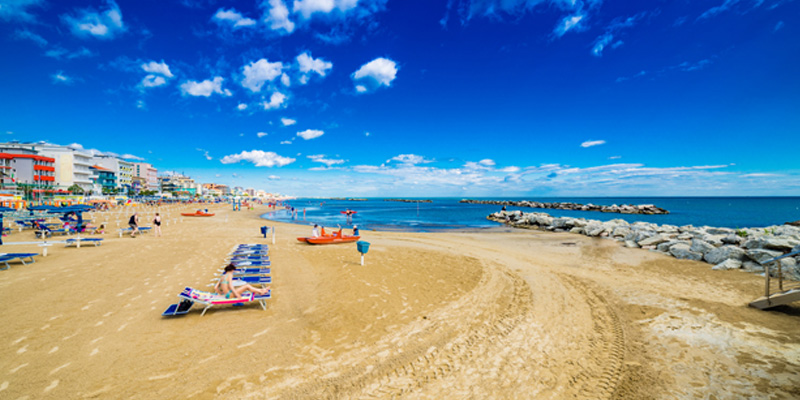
648, 209
409, 200
724, 248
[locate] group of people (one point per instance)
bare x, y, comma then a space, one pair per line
315, 232
133, 222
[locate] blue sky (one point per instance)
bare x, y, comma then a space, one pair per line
418, 98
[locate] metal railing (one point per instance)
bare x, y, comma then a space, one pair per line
782, 286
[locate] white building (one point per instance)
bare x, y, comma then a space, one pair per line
121, 168
148, 173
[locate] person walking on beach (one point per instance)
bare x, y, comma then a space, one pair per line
134, 224
157, 225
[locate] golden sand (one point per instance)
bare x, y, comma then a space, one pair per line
501, 314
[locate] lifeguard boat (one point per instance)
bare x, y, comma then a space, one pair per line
198, 213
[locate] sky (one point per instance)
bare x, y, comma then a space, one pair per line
418, 98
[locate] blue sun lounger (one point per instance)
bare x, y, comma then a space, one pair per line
249, 258
191, 296
239, 280
75, 241
238, 264
248, 271
5, 258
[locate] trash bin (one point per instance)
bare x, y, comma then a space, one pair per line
363, 247
264, 231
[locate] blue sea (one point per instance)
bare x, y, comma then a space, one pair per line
448, 213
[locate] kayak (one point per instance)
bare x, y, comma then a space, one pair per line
332, 240
198, 214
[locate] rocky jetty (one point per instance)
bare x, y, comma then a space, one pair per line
648, 209
724, 248
409, 200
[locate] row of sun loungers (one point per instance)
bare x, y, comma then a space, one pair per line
252, 256
6, 257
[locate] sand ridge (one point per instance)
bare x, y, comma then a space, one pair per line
518, 314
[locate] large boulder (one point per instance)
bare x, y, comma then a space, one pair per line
762, 255
728, 264
683, 251
727, 252
752, 266
654, 240
718, 231
732, 239
772, 243
701, 246
594, 229
791, 270
621, 231
667, 245
631, 244
715, 240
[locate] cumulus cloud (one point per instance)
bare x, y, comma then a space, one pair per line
277, 16
99, 24
274, 177
410, 159
286, 142
131, 157
285, 80
306, 8
275, 101
309, 134
232, 18
205, 88
241, 107
590, 143
258, 158
257, 73
320, 158
262, 134
308, 64
376, 73
157, 68
288, 121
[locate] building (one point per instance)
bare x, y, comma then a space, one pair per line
27, 168
150, 175
71, 166
179, 185
105, 179
123, 170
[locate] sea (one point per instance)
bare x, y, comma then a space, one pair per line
448, 214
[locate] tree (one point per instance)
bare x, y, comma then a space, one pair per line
75, 189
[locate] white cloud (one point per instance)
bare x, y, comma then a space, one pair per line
309, 134
157, 68
308, 64
320, 158
275, 101
153, 81
614, 157
60, 77
28, 35
205, 88
288, 121
205, 154
274, 177
241, 107
18, 10
286, 142
258, 158
376, 73
102, 25
277, 16
131, 157
306, 8
590, 143
233, 18
410, 159
285, 80
568, 23
366, 133
257, 73
60, 52
262, 134
487, 162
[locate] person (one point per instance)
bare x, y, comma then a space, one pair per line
315, 231
226, 288
100, 230
355, 230
134, 224
157, 225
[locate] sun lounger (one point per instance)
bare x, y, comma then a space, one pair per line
5, 258
191, 296
239, 280
142, 229
76, 241
252, 245
248, 271
249, 258
238, 264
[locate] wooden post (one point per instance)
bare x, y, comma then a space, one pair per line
766, 277
780, 275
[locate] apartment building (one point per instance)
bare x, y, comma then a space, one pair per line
148, 173
123, 171
70, 166
21, 167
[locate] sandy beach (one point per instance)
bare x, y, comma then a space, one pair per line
486, 314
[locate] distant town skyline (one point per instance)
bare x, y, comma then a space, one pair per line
457, 98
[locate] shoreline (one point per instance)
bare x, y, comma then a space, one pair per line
461, 314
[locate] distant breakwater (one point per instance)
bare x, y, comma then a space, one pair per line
347, 199
724, 248
648, 209
409, 201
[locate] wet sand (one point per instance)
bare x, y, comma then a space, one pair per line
520, 314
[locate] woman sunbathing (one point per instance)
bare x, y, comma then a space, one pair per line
225, 285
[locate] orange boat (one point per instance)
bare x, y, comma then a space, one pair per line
198, 214
324, 235
338, 238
